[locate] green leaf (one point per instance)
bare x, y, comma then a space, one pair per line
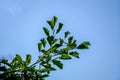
65, 57
23, 65
57, 63
84, 45
57, 45
43, 42
66, 33
39, 46
75, 54
28, 59
50, 40
59, 27
61, 41
45, 75
70, 40
52, 69
46, 31
54, 41
13, 61
52, 49
45, 70
43, 51
63, 51
72, 45
54, 19
52, 22
19, 59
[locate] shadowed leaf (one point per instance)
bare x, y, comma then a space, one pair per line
43, 42
84, 45
50, 40
52, 22
46, 31
57, 63
59, 27
3, 68
39, 46
75, 54
70, 40
66, 34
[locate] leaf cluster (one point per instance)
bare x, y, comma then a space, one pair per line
53, 51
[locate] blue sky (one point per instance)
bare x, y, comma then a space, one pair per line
97, 21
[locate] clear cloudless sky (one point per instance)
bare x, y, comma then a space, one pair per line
97, 21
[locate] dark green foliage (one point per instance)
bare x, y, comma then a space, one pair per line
65, 57
84, 45
3, 68
52, 22
50, 40
70, 40
46, 31
59, 27
57, 63
50, 56
75, 54
43, 41
67, 33
39, 46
